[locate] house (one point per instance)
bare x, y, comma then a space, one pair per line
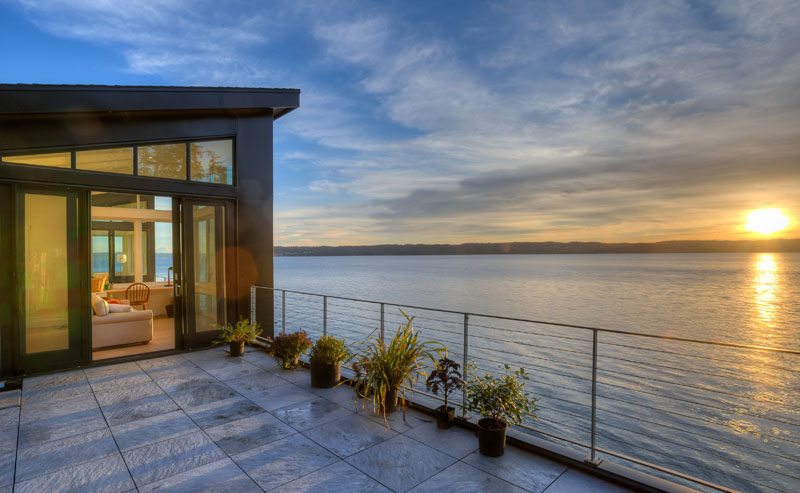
156, 197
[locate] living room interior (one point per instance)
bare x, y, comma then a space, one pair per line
132, 274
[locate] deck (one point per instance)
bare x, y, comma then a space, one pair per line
203, 421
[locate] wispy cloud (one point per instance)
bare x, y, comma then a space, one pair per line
516, 120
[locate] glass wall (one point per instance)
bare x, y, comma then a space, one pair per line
212, 161
52, 159
46, 280
163, 161
209, 266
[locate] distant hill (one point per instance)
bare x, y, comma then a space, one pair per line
693, 246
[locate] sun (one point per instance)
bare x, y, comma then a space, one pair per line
766, 221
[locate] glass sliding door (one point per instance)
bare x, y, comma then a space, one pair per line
204, 270
49, 270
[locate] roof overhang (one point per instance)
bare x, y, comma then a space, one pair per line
43, 99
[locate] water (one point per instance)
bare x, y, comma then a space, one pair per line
163, 263
726, 415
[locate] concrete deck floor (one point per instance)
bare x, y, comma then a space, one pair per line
203, 421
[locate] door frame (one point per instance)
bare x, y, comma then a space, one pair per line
78, 271
191, 339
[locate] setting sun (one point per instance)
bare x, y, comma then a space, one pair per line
766, 221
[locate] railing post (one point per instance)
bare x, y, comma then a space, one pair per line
324, 315
464, 367
283, 312
253, 303
382, 319
592, 458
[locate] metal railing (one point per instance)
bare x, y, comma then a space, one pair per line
712, 415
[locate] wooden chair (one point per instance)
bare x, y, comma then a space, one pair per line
138, 294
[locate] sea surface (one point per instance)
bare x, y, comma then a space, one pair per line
728, 415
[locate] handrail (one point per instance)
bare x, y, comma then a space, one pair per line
543, 322
380, 316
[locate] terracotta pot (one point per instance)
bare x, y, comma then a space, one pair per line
445, 419
237, 348
491, 437
325, 376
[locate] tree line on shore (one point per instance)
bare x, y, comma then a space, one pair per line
545, 247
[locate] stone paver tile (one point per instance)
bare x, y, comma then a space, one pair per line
223, 411
153, 429
10, 398
59, 427
183, 379
398, 421
456, 441
9, 425
284, 460
121, 381
7, 468
573, 480
261, 360
47, 410
280, 396
54, 380
107, 474
56, 393
205, 354
299, 376
199, 396
220, 476
252, 384
240, 368
163, 363
340, 476
48, 457
464, 478
125, 412
109, 372
310, 414
347, 436
166, 458
131, 393
247, 433
400, 462
523, 469
342, 395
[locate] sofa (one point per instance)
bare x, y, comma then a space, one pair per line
121, 328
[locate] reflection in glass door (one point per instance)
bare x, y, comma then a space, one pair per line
204, 272
49, 270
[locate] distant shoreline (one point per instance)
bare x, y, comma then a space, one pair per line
547, 247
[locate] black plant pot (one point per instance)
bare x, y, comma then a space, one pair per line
170, 310
445, 419
390, 402
325, 376
237, 348
491, 437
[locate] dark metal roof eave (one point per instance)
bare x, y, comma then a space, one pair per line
35, 99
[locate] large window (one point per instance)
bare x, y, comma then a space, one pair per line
209, 161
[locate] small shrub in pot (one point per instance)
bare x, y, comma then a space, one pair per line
502, 401
445, 378
287, 348
326, 357
237, 334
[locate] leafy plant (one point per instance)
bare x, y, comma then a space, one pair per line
383, 369
445, 377
503, 398
242, 331
329, 350
287, 348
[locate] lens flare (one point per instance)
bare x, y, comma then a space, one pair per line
766, 221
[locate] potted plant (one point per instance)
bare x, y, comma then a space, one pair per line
446, 378
237, 334
287, 348
502, 401
381, 370
326, 357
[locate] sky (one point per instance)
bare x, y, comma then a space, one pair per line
456, 121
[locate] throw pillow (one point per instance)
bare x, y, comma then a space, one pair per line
113, 301
119, 308
99, 306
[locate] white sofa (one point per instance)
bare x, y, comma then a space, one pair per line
117, 329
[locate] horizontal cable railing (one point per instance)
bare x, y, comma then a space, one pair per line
715, 416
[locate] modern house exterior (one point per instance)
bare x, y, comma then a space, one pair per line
113, 193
